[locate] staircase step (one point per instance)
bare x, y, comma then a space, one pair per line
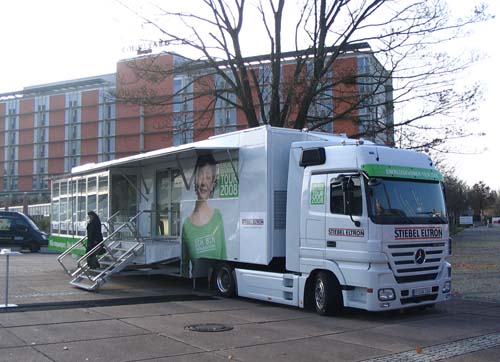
82, 285
92, 279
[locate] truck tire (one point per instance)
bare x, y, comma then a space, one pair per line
327, 294
224, 281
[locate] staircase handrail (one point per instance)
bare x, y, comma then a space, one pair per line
123, 257
80, 242
103, 243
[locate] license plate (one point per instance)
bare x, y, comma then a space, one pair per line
421, 291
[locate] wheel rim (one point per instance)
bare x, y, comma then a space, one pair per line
319, 294
223, 280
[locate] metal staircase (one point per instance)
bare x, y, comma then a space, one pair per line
117, 251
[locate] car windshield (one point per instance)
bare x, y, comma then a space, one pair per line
394, 201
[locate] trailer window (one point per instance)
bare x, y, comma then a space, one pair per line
168, 195
124, 196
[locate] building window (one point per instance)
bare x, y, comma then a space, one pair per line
40, 152
182, 110
106, 126
320, 113
11, 138
265, 83
183, 129
373, 85
225, 109
72, 129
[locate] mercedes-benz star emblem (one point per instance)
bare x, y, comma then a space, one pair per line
420, 256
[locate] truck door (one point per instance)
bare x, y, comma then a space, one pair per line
343, 229
313, 244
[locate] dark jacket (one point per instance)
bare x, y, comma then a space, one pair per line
94, 233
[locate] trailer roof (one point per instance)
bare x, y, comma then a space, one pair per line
176, 152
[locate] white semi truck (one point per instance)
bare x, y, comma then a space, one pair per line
293, 217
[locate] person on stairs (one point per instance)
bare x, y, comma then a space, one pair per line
94, 237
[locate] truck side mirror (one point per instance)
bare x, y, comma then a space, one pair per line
313, 157
349, 196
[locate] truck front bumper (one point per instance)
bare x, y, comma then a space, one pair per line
382, 292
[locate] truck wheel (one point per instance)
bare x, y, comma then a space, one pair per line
225, 285
327, 294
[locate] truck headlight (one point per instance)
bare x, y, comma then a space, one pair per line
386, 294
447, 287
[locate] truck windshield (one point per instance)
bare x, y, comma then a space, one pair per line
394, 201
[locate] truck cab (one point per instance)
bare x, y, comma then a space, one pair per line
372, 230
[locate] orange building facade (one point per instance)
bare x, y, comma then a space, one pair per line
48, 129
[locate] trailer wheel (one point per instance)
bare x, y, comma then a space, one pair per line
327, 294
225, 285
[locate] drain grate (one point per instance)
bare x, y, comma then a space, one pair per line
208, 327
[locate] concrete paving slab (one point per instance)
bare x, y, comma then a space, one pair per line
458, 305
308, 349
314, 325
132, 348
466, 323
386, 338
7, 339
145, 310
222, 304
175, 324
23, 354
391, 317
20, 319
269, 313
195, 357
242, 335
493, 311
404, 337
75, 331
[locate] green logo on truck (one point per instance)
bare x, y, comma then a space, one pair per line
318, 194
227, 181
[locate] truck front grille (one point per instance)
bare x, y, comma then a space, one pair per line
413, 262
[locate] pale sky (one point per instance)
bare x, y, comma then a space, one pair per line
58, 40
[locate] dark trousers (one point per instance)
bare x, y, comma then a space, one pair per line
92, 261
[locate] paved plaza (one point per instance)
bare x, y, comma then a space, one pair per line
151, 318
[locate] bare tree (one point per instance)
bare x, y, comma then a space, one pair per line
413, 76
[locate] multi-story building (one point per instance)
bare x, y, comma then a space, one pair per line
45, 130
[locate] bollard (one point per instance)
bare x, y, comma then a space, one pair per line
7, 253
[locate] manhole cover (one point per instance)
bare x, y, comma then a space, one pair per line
208, 327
